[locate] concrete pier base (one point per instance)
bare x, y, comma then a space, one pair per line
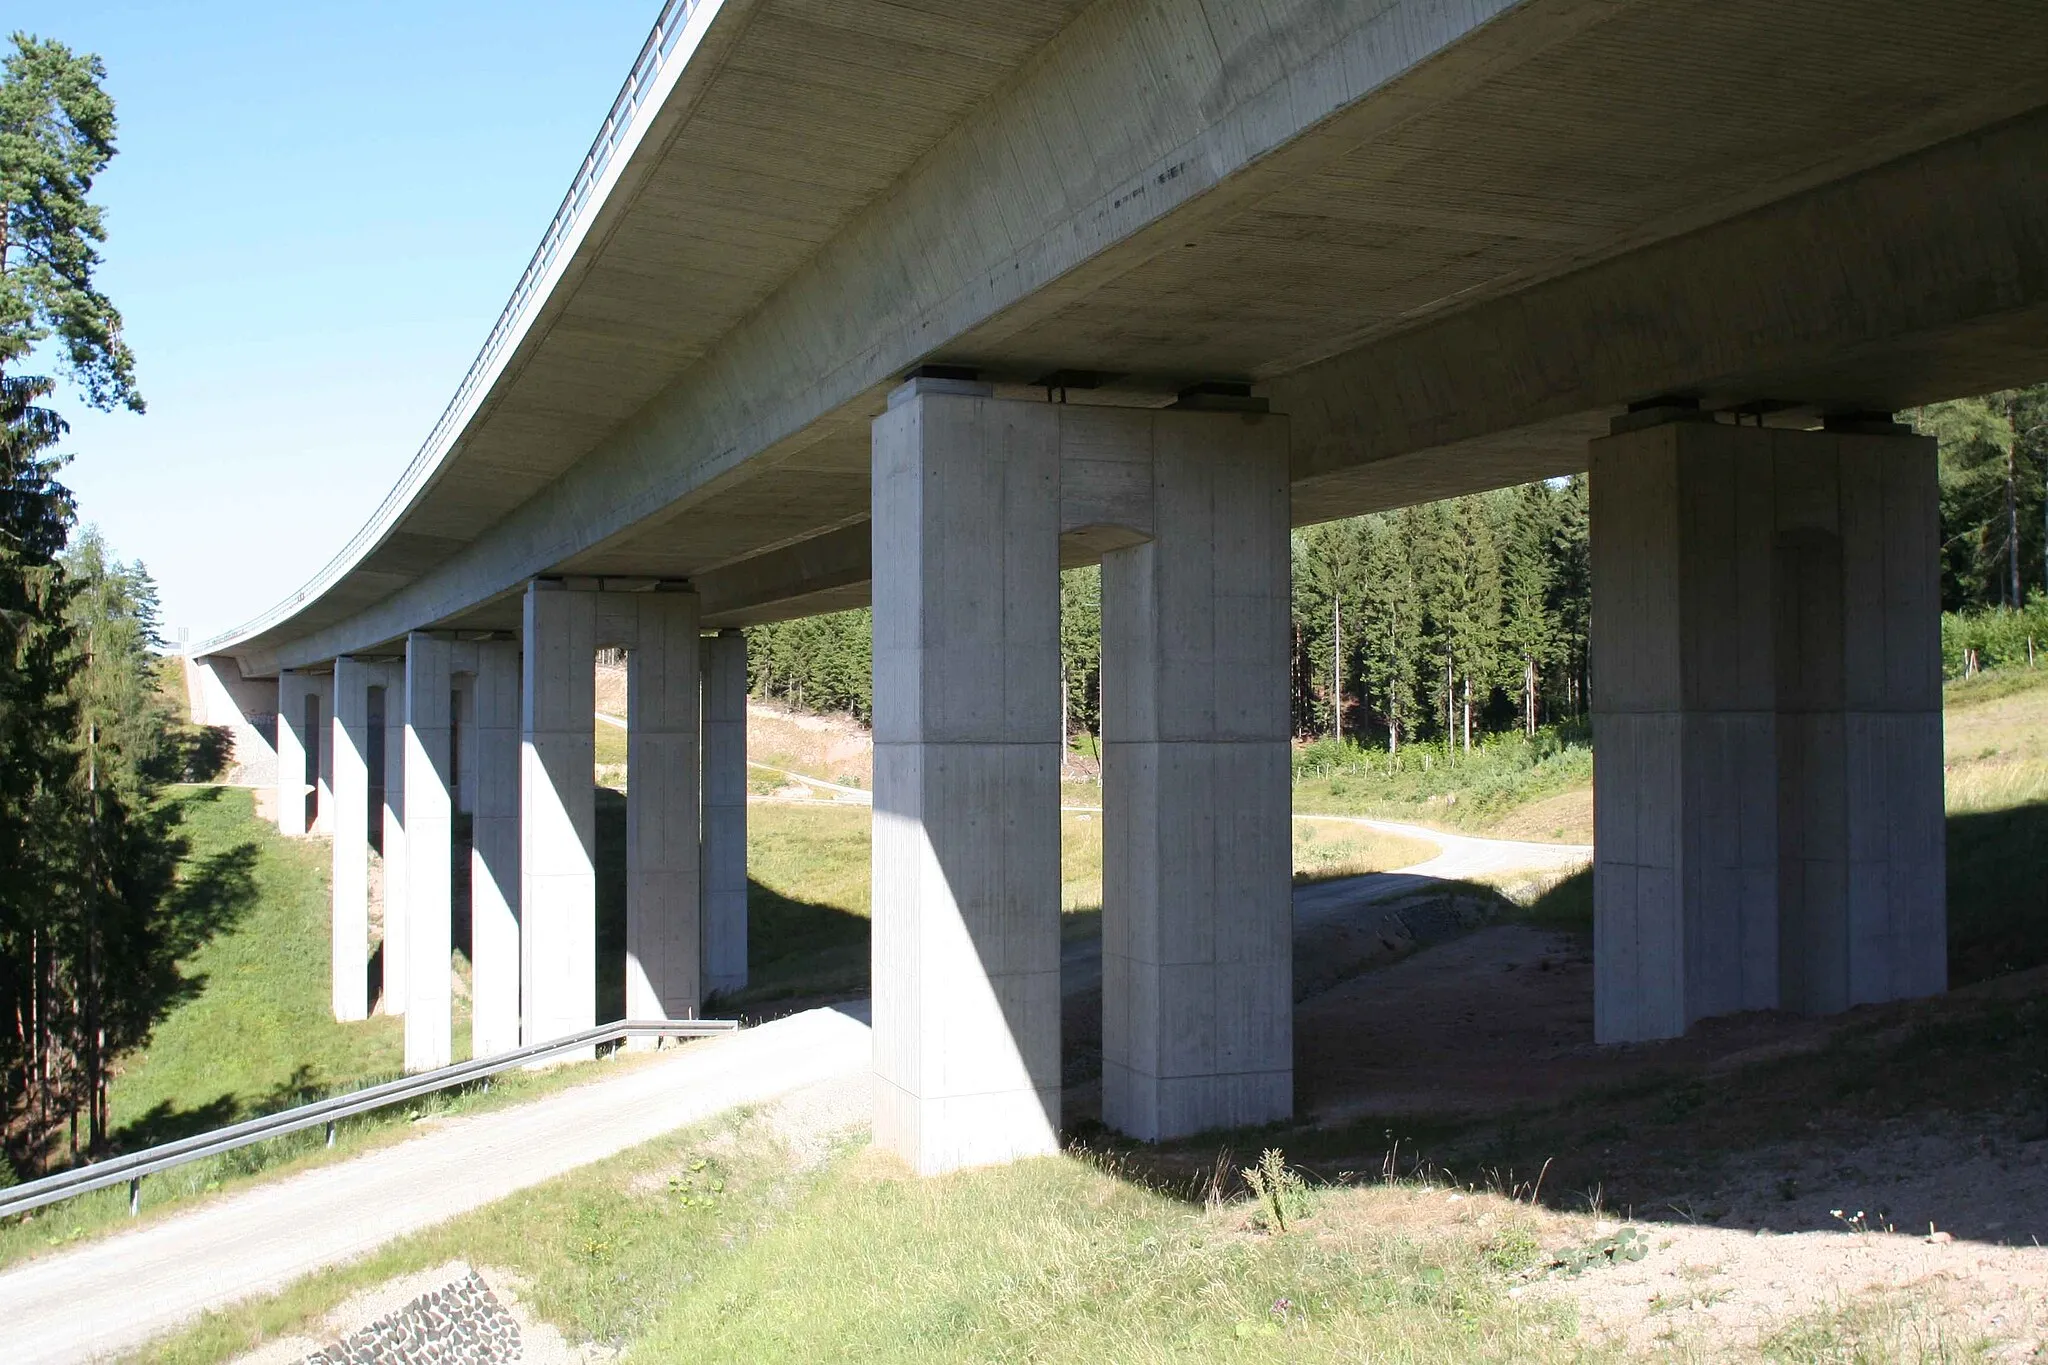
966, 823
1197, 948
350, 923
1767, 716
662, 970
492, 775
558, 820
722, 859
429, 839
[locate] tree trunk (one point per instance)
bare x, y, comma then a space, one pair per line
1066, 735
1468, 713
1529, 695
1337, 667
2012, 504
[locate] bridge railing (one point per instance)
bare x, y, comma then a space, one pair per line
131, 1167
669, 26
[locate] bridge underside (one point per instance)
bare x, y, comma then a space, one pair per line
1425, 249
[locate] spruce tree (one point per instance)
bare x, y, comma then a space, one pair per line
56, 136
1529, 570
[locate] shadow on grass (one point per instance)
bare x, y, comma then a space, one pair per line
1759, 1121
797, 950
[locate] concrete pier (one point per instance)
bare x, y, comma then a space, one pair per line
300, 710
663, 978
430, 854
722, 859
350, 925
1767, 715
396, 956
558, 821
966, 833
1197, 948
493, 779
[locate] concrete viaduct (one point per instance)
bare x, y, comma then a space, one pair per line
913, 304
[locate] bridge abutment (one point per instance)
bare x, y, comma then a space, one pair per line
1767, 722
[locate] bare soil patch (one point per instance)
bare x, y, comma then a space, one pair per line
1566, 818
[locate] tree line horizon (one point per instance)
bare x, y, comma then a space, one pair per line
1444, 623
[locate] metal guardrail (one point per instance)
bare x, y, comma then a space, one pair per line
661, 41
133, 1166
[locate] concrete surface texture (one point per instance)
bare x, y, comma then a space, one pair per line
557, 817
494, 850
299, 708
1197, 997
429, 853
1767, 709
663, 690
218, 695
397, 957
966, 836
351, 872
115, 1295
1321, 197
1445, 242
723, 859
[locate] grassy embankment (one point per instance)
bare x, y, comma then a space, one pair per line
254, 1031
1053, 1260
1070, 1260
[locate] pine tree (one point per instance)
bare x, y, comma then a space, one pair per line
1392, 639
1328, 563
1529, 570
1993, 452
38, 812
126, 856
63, 849
1080, 653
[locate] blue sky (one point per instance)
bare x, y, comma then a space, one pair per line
316, 214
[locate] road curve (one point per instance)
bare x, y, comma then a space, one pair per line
120, 1292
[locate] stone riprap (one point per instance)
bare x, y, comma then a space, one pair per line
461, 1323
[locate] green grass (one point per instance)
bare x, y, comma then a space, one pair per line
255, 1032
258, 1032
1435, 785
710, 1245
604, 1251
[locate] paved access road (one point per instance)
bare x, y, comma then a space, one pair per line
119, 1292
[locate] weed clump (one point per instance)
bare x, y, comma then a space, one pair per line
1281, 1192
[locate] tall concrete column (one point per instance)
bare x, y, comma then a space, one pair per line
396, 958
429, 848
298, 749
1767, 713
1197, 944
323, 761
351, 743
722, 861
663, 976
494, 850
966, 836
558, 820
